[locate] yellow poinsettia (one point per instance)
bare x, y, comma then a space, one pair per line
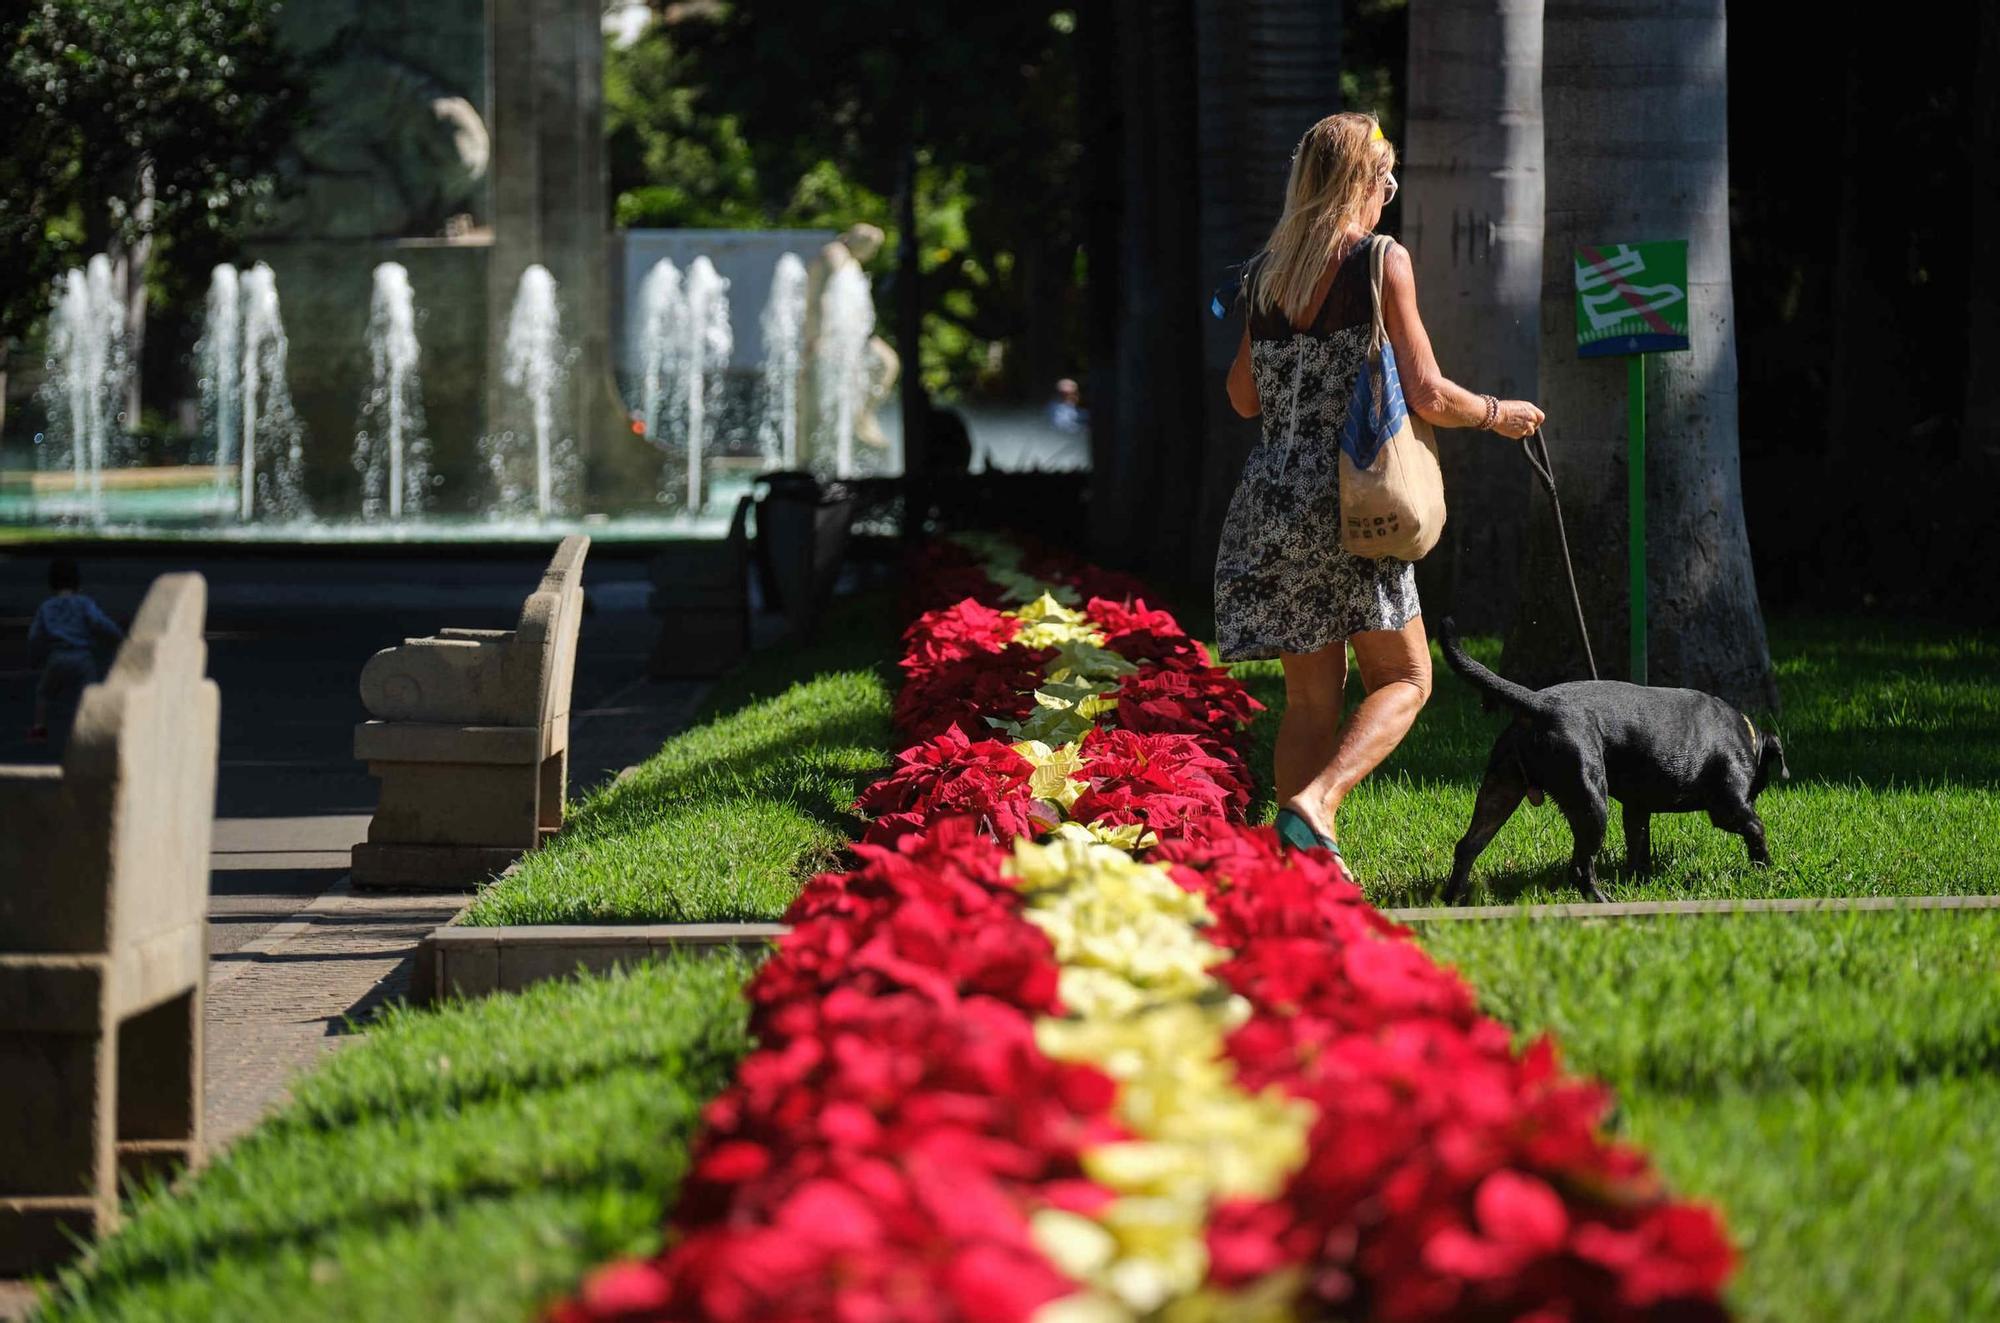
1056, 776
1047, 623
1143, 1008
1125, 836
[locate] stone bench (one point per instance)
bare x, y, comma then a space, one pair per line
103, 939
802, 534
470, 739
701, 592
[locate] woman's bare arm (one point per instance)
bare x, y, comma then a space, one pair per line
1242, 385
1431, 395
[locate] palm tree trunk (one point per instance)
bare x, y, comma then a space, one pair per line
1980, 435
1268, 70
1635, 100
1472, 220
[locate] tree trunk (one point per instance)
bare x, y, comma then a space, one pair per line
1472, 220
909, 331
1635, 99
1267, 70
1980, 433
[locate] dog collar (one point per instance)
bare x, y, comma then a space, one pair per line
1753, 729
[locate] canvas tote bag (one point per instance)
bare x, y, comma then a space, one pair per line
1391, 489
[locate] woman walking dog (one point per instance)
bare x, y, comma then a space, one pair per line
1284, 587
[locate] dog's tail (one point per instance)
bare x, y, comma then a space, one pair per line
1506, 691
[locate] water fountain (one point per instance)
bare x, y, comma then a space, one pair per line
220, 355
271, 456
684, 342
662, 308
537, 364
846, 321
88, 370
783, 324
707, 340
390, 449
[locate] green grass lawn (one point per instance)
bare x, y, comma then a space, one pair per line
1892, 733
1827, 1079
469, 1162
726, 821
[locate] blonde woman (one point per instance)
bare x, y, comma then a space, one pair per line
1283, 586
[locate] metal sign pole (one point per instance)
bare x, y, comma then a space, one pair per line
1632, 301
1635, 499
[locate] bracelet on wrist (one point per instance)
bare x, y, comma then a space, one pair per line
1492, 413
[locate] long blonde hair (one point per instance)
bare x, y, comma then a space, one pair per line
1336, 167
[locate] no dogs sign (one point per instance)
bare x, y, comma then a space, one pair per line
1631, 298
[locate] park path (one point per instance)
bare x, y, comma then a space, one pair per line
300, 983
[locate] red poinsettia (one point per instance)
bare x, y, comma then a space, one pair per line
952, 776
962, 693
1167, 782
954, 632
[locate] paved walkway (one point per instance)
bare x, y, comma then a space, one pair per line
298, 984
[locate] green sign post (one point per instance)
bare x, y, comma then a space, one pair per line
1632, 300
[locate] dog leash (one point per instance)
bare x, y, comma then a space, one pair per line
1535, 447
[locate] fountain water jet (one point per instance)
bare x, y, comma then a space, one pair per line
662, 308
708, 342
783, 324
537, 362
277, 489
220, 355
841, 374
88, 371
390, 450
684, 346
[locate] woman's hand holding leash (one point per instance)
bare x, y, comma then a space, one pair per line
1511, 418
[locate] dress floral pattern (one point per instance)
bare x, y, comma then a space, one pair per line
1282, 581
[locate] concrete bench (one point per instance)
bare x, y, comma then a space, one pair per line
802, 534
470, 740
701, 592
103, 939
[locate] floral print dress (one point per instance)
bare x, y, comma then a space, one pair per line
1282, 581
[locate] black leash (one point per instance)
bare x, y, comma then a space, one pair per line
1535, 447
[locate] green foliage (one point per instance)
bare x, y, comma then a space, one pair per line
729, 817
101, 98
985, 98
469, 1162
1827, 1079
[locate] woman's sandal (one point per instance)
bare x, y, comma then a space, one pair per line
1295, 831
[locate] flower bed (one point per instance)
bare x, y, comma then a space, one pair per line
1074, 1043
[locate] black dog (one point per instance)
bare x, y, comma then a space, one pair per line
1653, 750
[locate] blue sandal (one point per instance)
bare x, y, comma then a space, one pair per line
1295, 831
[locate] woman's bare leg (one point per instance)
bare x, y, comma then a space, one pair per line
1315, 686
1395, 666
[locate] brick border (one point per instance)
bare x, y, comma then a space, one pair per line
1642, 909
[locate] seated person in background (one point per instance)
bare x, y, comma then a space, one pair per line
1066, 411
62, 642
